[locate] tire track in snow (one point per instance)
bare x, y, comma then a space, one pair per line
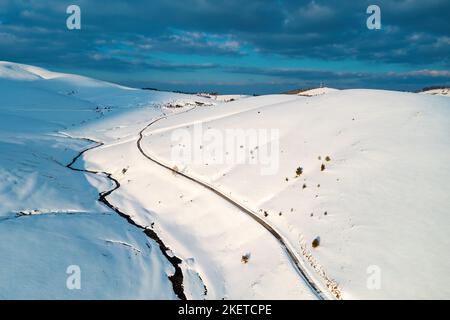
177, 278
320, 294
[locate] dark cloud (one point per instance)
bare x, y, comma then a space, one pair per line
133, 35
382, 80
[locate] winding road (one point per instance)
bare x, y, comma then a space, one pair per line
320, 294
177, 278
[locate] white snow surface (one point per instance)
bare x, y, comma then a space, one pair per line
380, 206
317, 91
445, 92
50, 218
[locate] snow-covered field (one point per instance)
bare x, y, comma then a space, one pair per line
373, 186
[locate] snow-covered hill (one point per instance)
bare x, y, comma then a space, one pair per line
437, 92
316, 91
373, 186
50, 218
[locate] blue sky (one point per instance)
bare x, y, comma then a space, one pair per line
232, 46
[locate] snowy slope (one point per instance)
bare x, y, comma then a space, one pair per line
42, 116
49, 215
223, 97
114, 258
437, 92
380, 204
208, 234
316, 91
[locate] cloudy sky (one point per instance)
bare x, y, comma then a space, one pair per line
251, 46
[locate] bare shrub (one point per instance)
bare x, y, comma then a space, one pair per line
316, 242
245, 258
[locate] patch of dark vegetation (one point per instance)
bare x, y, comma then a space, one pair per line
433, 88
297, 91
176, 106
299, 171
322, 167
245, 258
316, 242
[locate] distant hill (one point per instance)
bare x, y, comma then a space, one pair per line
436, 91
309, 92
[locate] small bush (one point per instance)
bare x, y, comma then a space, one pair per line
322, 167
327, 158
245, 258
299, 171
316, 242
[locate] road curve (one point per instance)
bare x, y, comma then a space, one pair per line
320, 294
